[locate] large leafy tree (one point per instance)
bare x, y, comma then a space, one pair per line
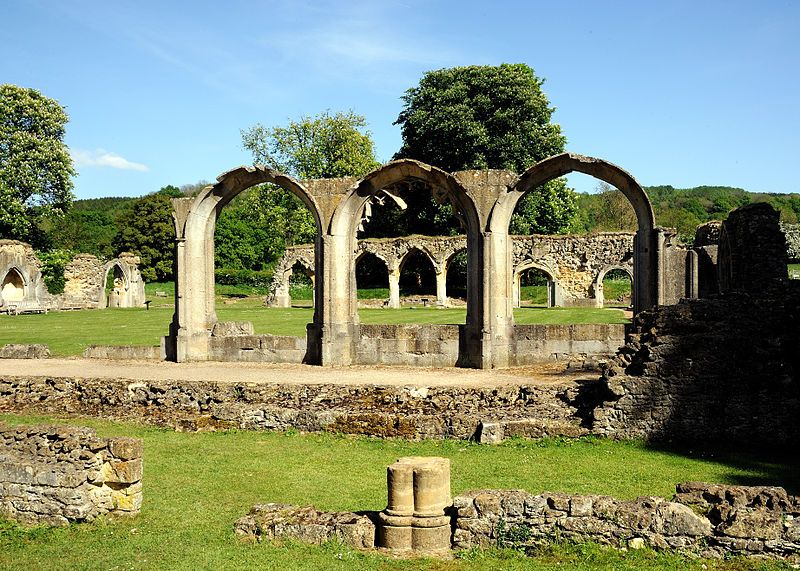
147, 230
35, 165
254, 230
489, 117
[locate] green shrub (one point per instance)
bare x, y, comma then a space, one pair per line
53, 264
239, 277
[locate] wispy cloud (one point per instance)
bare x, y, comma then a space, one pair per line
100, 158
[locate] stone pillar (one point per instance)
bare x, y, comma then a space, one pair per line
441, 288
516, 289
394, 287
419, 494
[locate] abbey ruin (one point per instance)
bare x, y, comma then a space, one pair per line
663, 272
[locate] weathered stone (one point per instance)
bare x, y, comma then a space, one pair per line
676, 519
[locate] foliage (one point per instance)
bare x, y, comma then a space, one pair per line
35, 165
53, 264
514, 536
84, 231
324, 146
243, 277
489, 117
148, 230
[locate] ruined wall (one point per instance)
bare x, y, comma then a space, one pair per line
722, 368
85, 282
576, 263
425, 345
413, 411
58, 474
708, 520
19, 259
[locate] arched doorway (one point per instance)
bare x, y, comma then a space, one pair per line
372, 280
614, 287
418, 277
535, 286
457, 278
13, 286
115, 286
195, 222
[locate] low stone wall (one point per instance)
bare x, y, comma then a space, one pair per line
427, 345
123, 352
413, 345
57, 474
24, 351
537, 343
705, 519
258, 348
307, 524
387, 411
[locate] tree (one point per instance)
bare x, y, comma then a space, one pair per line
488, 117
147, 230
35, 165
325, 146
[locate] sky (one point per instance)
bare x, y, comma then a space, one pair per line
679, 93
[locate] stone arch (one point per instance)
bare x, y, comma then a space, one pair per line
14, 285
280, 287
347, 216
421, 252
554, 297
195, 223
599, 295
646, 248
448, 260
117, 297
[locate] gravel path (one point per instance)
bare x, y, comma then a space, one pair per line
288, 373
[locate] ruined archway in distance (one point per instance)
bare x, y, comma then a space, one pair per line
418, 275
348, 215
13, 285
115, 282
606, 298
645, 271
456, 277
372, 279
195, 223
549, 297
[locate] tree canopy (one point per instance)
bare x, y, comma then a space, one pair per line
35, 165
489, 117
325, 146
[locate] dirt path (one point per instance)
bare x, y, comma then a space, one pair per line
288, 373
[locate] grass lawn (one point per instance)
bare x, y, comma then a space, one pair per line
70, 332
196, 485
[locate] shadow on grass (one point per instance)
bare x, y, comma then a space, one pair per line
753, 466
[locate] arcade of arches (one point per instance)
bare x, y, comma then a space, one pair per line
484, 201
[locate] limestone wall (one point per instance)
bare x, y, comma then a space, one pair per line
57, 474
576, 264
709, 520
84, 280
428, 345
412, 411
20, 275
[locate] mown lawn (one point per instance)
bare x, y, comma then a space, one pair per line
70, 332
197, 485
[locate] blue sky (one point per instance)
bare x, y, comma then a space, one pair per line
680, 93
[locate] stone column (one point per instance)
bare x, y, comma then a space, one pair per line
441, 288
394, 287
419, 494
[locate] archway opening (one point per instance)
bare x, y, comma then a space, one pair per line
417, 279
265, 236
537, 288
114, 286
372, 280
617, 288
301, 285
13, 286
457, 278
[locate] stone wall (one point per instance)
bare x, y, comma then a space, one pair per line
722, 368
20, 275
84, 280
426, 345
704, 519
552, 409
57, 474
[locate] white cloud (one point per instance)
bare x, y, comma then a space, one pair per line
101, 158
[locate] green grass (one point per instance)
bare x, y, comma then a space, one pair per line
197, 485
70, 332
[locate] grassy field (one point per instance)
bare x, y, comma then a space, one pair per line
70, 332
196, 485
